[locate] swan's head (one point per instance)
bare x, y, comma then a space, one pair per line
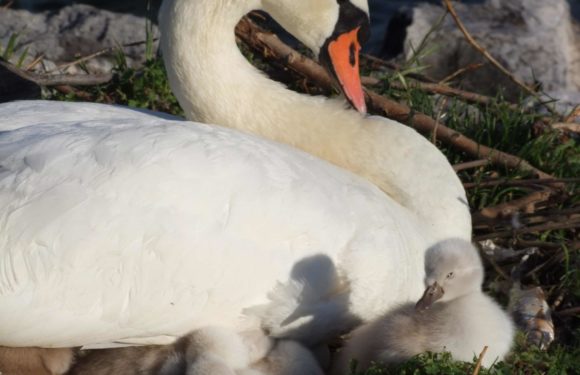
334, 30
453, 269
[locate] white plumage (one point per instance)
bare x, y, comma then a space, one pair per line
137, 227
120, 226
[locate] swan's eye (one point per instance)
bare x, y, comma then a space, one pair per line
450, 275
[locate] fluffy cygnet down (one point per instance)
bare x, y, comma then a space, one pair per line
287, 358
453, 315
207, 351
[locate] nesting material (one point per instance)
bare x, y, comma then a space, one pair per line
532, 314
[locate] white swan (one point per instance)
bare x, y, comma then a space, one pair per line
122, 226
453, 315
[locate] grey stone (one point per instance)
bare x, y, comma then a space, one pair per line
565, 102
536, 40
74, 31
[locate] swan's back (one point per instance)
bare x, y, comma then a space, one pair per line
123, 226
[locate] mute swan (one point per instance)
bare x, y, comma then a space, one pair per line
453, 315
125, 226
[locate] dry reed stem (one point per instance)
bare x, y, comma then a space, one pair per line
479, 360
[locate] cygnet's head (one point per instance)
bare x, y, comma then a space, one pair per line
334, 30
453, 269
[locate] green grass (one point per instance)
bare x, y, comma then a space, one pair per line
524, 360
139, 88
495, 125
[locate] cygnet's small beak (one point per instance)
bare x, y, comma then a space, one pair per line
340, 56
431, 294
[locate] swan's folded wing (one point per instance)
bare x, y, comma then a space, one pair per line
131, 227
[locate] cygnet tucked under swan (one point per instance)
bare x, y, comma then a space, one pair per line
206, 351
249, 353
453, 315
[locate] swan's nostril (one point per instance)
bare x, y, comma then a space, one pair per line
352, 55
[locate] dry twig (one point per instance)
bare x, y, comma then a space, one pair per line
470, 165
569, 312
567, 126
511, 182
461, 71
34, 62
466, 96
71, 90
531, 229
526, 204
442, 105
479, 360
575, 113
397, 68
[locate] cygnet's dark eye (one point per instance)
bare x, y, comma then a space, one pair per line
450, 275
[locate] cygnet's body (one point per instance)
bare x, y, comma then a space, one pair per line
287, 357
207, 351
453, 315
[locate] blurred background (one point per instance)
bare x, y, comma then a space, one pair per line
389, 17
537, 40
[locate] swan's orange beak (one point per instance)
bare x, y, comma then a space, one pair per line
343, 56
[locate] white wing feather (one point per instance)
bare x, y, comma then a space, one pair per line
134, 227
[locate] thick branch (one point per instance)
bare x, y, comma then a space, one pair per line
59, 79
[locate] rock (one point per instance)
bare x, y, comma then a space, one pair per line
565, 102
76, 30
389, 22
534, 39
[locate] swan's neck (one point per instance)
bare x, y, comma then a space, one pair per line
214, 83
